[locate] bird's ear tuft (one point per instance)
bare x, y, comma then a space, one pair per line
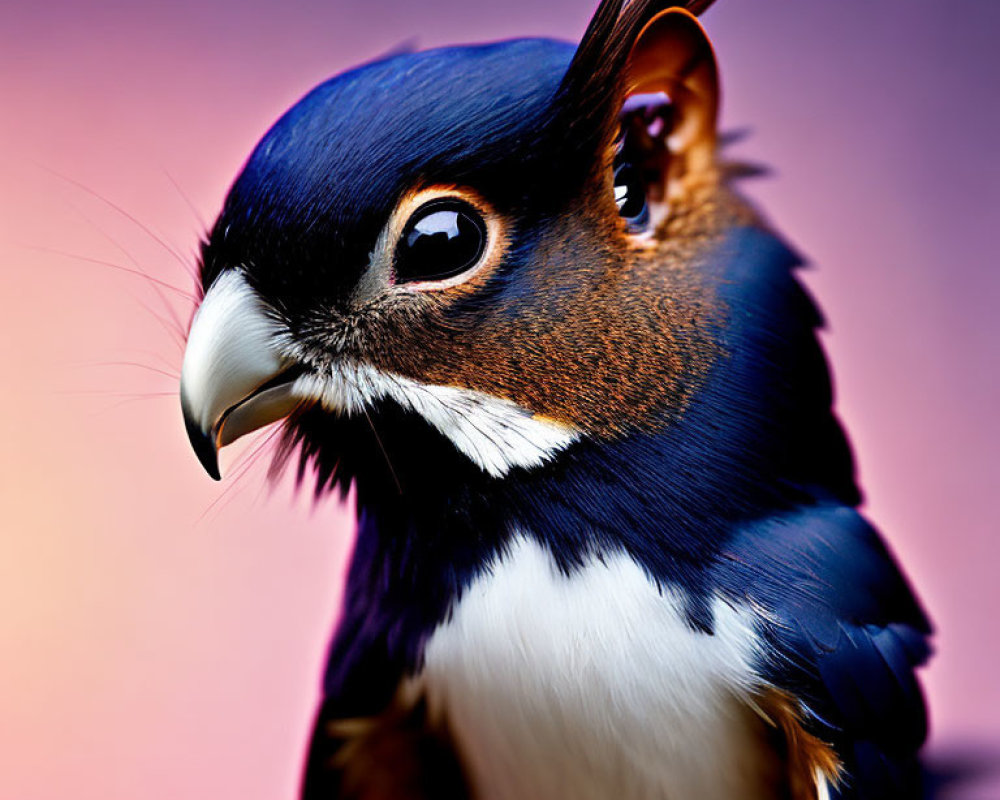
627, 58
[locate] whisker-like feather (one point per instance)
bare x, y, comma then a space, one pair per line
239, 471
381, 446
136, 364
188, 202
114, 206
186, 294
171, 311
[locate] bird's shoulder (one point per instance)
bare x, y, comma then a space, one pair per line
844, 635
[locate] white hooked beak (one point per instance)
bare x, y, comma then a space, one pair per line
235, 377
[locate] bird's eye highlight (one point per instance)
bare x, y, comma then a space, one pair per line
443, 238
630, 196
641, 157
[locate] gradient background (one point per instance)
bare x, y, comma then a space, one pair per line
157, 641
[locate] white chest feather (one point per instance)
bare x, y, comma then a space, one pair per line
592, 686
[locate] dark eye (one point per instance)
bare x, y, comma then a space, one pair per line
630, 196
443, 238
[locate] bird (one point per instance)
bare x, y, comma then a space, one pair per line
508, 297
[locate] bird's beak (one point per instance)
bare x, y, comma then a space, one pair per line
235, 379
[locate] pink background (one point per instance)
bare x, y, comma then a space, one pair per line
157, 641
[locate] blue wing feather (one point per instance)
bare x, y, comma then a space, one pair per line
846, 637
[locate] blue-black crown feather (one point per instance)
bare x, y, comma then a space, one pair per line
309, 189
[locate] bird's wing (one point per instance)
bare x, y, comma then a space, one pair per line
845, 634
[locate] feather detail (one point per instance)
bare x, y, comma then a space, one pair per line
398, 755
811, 765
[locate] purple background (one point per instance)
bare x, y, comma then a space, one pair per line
159, 642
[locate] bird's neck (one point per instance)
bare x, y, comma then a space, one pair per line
758, 438
421, 543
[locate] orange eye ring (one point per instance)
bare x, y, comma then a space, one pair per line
442, 239
470, 212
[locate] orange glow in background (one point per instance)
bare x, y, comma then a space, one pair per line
162, 636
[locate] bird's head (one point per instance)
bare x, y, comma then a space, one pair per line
499, 242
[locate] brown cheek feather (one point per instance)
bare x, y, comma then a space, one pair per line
616, 334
